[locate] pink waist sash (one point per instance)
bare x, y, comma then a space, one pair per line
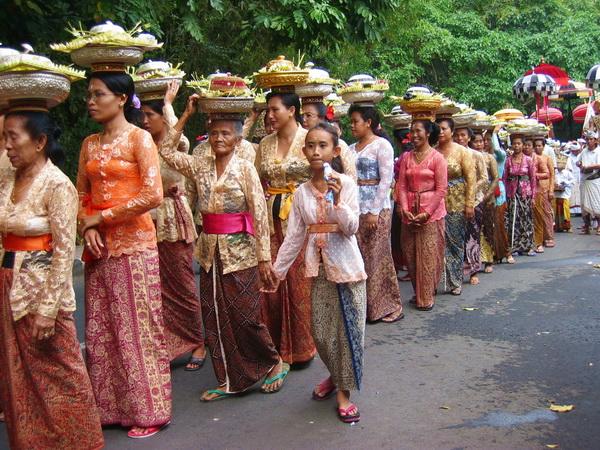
227, 223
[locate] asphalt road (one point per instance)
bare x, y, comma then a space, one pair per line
447, 379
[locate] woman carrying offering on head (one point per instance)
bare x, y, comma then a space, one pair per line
375, 171
119, 183
234, 254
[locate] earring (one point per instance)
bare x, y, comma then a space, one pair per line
120, 105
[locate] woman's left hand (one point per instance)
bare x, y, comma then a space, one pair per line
43, 328
87, 222
335, 185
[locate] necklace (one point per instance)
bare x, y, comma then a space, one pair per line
117, 140
420, 156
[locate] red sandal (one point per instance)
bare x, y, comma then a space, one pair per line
345, 415
325, 388
142, 433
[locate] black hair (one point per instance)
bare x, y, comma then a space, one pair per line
155, 105
336, 163
517, 136
321, 109
448, 120
288, 99
38, 124
431, 128
120, 83
369, 113
469, 131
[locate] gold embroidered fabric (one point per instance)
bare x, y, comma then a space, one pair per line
122, 180
43, 281
348, 158
481, 175
460, 165
4, 161
237, 190
280, 172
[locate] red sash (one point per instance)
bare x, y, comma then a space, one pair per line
228, 223
13, 243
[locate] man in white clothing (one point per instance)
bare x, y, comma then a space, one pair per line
589, 163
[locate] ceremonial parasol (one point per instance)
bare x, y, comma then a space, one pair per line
593, 78
579, 113
545, 115
560, 76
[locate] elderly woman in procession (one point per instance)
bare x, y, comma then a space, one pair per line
45, 390
234, 253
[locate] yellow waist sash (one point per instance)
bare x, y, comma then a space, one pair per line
286, 206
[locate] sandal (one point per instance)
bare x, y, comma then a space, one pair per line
404, 278
285, 369
425, 308
349, 414
456, 291
143, 433
474, 281
510, 260
488, 269
540, 249
198, 362
219, 395
531, 253
326, 389
393, 319
550, 244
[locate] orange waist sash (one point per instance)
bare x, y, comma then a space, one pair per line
13, 243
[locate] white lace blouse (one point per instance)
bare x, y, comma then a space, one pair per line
375, 162
338, 252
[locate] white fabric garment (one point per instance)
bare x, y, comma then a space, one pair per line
590, 188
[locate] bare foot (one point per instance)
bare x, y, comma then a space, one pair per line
489, 268
474, 280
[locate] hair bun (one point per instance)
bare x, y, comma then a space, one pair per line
57, 133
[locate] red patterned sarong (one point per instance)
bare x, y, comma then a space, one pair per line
125, 341
45, 390
180, 302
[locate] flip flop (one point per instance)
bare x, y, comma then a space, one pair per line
281, 376
220, 395
349, 418
396, 319
148, 432
199, 362
324, 394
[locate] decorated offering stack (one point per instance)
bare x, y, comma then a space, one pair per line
398, 119
364, 89
281, 75
108, 47
31, 82
339, 106
318, 86
152, 79
464, 117
223, 96
420, 103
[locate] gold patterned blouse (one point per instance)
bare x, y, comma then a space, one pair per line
348, 158
461, 179
287, 173
43, 280
237, 190
4, 161
482, 181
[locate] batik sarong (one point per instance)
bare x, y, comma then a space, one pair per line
180, 302
424, 250
286, 313
241, 348
500, 244
383, 291
45, 390
454, 254
338, 323
473, 243
519, 223
126, 349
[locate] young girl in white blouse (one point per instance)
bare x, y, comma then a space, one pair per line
326, 207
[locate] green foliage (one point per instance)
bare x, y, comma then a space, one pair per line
473, 50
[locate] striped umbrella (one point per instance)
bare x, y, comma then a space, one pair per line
536, 84
593, 78
573, 90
